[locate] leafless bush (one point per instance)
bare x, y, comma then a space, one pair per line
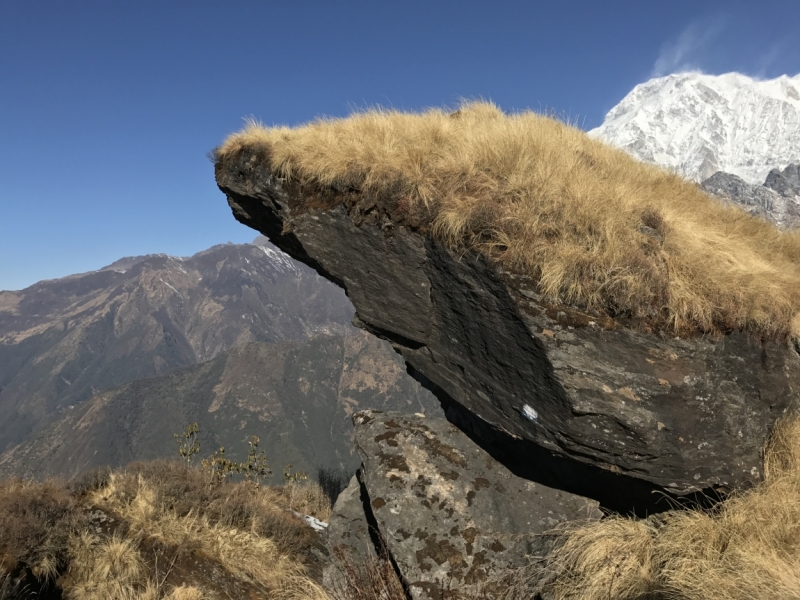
36, 522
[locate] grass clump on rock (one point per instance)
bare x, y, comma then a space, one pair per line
596, 228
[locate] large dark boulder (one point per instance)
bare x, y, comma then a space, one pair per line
685, 414
448, 514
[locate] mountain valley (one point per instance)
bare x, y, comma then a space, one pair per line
64, 341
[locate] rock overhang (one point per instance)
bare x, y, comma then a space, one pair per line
685, 414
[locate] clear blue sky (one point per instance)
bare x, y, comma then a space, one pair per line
107, 109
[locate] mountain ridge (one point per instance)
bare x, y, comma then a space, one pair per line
296, 396
63, 341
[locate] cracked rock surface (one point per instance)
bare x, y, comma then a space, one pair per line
447, 512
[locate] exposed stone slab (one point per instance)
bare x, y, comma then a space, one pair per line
348, 527
448, 513
684, 414
348, 534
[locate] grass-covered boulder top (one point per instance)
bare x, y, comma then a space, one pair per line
553, 286
595, 227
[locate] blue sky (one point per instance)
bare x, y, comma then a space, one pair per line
107, 109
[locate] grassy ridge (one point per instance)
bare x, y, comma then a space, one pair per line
597, 228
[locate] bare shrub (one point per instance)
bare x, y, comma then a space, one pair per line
36, 521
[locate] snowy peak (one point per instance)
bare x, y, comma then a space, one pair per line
281, 261
699, 124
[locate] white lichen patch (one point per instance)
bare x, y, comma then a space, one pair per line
530, 413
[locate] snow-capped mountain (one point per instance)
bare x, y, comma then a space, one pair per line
699, 124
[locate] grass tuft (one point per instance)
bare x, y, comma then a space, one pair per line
747, 547
36, 523
596, 228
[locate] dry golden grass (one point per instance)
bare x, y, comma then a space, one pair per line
306, 497
36, 523
748, 547
107, 568
595, 227
158, 509
112, 567
242, 552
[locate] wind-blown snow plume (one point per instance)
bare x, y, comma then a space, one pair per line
684, 54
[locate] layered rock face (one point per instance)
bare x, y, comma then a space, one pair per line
681, 414
777, 200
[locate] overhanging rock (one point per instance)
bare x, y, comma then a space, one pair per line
685, 414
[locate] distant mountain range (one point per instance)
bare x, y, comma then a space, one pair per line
699, 124
102, 367
67, 345
736, 136
297, 397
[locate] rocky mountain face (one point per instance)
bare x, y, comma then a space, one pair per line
296, 396
66, 340
699, 124
777, 200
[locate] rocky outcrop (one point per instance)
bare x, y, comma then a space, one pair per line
448, 513
684, 414
777, 201
786, 182
349, 529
